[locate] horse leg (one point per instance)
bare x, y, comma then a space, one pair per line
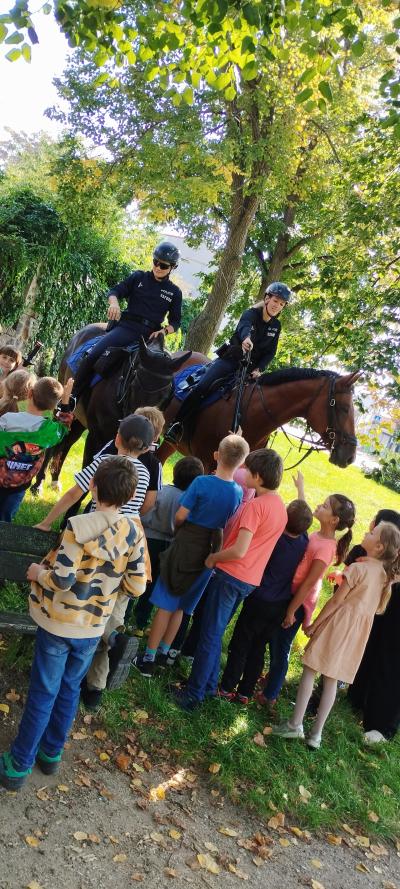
60, 452
36, 488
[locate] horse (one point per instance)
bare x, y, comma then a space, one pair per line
145, 378
322, 398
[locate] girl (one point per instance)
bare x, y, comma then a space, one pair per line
335, 514
10, 359
340, 633
15, 388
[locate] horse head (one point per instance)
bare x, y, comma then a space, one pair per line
336, 408
156, 359
154, 369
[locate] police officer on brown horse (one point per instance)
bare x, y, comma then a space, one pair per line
257, 332
150, 296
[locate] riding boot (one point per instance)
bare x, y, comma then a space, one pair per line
83, 375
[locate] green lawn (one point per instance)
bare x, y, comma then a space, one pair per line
346, 781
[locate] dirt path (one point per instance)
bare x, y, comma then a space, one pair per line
93, 826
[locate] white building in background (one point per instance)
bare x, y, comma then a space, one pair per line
194, 261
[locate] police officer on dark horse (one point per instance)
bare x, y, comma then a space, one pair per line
151, 296
257, 333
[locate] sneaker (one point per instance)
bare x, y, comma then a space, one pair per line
225, 695
120, 657
10, 776
285, 730
49, 765
374, 737
172, 656
91, 698
242, 699
260, 698
313, 742
146, 668
161, 660
184, 701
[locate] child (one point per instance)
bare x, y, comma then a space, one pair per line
15, 388
10, 359
134, 436
71, 599
159, 528
239, 568
24, 437
335, 514
340, 633
204, 508
264, 610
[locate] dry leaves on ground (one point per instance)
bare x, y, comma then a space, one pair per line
214, 768
208, 863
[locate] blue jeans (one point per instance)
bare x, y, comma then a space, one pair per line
10, 502
224, 594
279, 649
58, 668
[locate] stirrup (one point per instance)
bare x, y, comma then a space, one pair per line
175, 433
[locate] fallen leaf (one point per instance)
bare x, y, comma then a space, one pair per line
158, 838
80, 836
83, 779
114, 840
34, 885
372, 816
214, 768
211, 847
79, 736
137, 877
123, 762
333, 839
13, 696
238, 873
140, 715
157, 792
316, 885
316, 863
277, 821
88, 718
387, 791
324, 806
258, 861
63, 788
191, 777
363, 841
349, 830
304, 793
259, 739
4, 708
170, 872
362, 868
42, 794
284, 842
137, 767
378, 849
174, 834
93, 838
100, 734
267, 730
228, 831
103, 757
32, 841
389, 886
103, 791
120, 857
208, 863
297, 832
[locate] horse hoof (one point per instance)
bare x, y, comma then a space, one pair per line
56, 486
35, 492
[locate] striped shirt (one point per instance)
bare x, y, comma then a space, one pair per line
133, 506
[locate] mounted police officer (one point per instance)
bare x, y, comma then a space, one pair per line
150, 296
257, 332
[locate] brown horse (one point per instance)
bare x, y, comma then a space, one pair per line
322, 398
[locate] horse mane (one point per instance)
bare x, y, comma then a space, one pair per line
293, 374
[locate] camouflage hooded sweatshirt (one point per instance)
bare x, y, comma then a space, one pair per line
100, 554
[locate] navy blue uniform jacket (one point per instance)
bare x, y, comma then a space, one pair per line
149, 299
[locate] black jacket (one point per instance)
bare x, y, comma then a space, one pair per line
264, 335
149, 299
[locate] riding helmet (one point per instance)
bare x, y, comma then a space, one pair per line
167, 252
280, 290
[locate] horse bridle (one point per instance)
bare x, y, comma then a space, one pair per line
336, 435
134, 373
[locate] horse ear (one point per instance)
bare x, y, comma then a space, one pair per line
348, 380
176, 363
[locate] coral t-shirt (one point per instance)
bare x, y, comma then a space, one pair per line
323, 549
266, 518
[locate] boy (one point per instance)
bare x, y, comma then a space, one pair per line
239, 568
10, 359
134, 436
264, 610
24, 437
204, 509
71, 599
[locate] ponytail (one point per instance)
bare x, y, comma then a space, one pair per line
390, 538
15, 388
345, 511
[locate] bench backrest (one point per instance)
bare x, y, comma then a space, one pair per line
19, 546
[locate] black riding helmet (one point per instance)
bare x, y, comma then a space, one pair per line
280, 290
167, 252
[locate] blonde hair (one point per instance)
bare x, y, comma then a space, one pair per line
46, 393
390, 538
155, 417
233, 450
15, 388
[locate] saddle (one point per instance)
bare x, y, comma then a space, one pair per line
186, 379
111, 359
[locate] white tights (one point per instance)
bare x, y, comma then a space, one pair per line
303, 696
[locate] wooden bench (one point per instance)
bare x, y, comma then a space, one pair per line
19, 546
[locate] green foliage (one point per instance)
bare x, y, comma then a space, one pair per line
388, 471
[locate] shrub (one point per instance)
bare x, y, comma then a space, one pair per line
388, 471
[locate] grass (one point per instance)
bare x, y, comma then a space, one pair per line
345, 780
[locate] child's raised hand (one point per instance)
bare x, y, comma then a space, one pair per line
298, 479
67, 391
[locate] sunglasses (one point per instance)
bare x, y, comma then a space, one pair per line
161, 265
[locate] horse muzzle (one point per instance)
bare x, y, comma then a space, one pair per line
343, 454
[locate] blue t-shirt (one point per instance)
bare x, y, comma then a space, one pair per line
211, 501
277, 579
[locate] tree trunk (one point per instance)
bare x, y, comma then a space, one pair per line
23, 329
202, 331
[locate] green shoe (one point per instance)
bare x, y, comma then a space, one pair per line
10, 777
49, 765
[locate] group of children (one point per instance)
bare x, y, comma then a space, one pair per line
201, 546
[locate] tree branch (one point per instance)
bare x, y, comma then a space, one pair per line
327, 136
